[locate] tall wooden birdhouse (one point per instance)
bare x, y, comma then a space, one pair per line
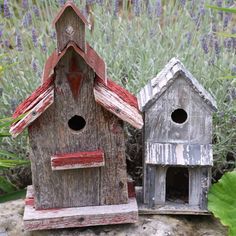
177, 142
75, 125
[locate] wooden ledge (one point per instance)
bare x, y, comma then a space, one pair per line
79, 216
78, 160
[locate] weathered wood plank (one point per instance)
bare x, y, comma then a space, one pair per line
50, 134
160, 185
179, 154
116, 105
194, 186
205, 183
165, 79
70, 27
35, 112
80, 216
78, 160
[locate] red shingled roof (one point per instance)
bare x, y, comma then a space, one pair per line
77, 11
90, 56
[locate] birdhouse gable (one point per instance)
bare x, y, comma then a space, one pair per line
70, 26
158, 85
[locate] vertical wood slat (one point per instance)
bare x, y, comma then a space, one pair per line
194, 186
160, 185
50, 134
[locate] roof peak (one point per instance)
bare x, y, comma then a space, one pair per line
164, 79
70, 4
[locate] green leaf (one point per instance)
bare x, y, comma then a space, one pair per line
13, 196
227, 35
3, 135
12, 163
231, 10
6, 186
7, 154
222, 201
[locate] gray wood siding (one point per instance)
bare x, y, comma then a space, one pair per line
50, 135
160, 127
178, 154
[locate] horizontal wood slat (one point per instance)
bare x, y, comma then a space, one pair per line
78, 160
179, 154
79, 216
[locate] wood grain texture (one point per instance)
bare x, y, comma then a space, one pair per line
70, 27
43, 104
78, 160
161, 128
80, 216
50, 134
121, 107
158, 85
179, 154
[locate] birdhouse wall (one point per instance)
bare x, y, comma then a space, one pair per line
160, 127
155, 182
70, 27
50, 135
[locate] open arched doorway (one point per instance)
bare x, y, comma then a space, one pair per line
177, 185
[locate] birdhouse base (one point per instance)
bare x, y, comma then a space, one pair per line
170, 208
77, 216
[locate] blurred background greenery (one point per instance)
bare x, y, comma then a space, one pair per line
136, 38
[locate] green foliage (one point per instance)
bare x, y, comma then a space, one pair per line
222, 201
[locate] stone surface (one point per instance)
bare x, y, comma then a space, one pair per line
11, 224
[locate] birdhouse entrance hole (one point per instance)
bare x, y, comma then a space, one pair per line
177, 185
179, 116
77, 123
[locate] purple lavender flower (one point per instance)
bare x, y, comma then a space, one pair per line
158, 8
214, 28
149, 9
25, 4
44, 46
228, 44
7, 43
217, 47
234, 39
100, 2
137, 7
204, 44
36, 11
27, 20
182, 2
1, 32
189, 38
227, 18
116, 7
19, 43
34, 65
34, 37
6, 9
61, 2
53, 35
219, 4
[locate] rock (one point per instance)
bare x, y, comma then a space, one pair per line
11, 225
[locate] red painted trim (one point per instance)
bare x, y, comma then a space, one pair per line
78, 158
131, 189
90, 57
29, 201
77, 11
32, 100
125, 95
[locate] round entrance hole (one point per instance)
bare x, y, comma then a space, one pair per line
179, 116
77, 123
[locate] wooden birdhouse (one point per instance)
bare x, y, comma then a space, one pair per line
75, 125
177, 142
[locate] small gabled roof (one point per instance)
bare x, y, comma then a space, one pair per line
91, 57
76, 10
158, 85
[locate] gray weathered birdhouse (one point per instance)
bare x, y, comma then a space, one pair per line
177, 142
75, 125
